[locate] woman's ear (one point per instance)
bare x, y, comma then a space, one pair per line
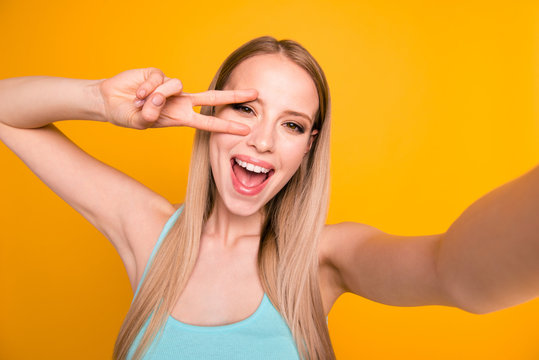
311, 139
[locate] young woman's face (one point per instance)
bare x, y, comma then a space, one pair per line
249, 170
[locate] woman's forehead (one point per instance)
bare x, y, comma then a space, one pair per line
278, 80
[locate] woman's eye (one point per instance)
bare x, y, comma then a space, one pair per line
294, 127
242, 108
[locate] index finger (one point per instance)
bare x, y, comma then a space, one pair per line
222, 97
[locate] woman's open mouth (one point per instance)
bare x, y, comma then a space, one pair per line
248, 178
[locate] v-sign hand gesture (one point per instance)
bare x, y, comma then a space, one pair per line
144, 98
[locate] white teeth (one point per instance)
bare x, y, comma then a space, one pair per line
251, 167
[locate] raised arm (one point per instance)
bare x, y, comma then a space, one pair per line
128, 213
104, 196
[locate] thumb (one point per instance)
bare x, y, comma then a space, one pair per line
152, 107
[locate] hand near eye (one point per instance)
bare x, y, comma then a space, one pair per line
144, 98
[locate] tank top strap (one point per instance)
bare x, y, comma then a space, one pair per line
163, 234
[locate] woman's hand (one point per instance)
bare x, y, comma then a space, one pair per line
144, 98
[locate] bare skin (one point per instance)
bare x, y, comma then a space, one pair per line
438, 269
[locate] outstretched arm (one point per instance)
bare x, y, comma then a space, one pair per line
486, 261
489, 257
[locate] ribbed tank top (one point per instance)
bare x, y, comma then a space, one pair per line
263, 335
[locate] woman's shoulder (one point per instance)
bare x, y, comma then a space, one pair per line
335, 236
337, 241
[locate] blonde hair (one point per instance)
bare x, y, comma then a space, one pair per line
290, 232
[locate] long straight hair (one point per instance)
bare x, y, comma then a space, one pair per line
290, 231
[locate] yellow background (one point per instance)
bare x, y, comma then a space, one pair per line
434, 105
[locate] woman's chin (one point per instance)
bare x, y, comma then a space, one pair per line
243, 210
239, 207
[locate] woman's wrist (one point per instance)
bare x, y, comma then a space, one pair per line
96, 104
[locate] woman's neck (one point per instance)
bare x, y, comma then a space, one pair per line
226, 229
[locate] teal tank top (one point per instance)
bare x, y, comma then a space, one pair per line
264, 335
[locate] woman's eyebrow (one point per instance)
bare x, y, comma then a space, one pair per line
300, 114
287, 112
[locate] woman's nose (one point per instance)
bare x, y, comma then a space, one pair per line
262, 136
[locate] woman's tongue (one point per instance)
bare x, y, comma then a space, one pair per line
248, 178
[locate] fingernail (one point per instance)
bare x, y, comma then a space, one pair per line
139, 102
141, 93
157, 100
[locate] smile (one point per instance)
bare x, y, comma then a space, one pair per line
250, 176
251, 167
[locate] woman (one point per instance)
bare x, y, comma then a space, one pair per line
246, 268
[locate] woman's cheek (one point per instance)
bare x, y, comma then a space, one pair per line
294, 151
